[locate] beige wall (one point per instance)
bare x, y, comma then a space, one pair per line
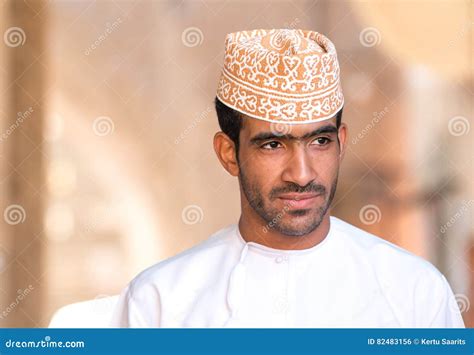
128, 126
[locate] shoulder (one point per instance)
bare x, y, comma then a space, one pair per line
401, 274
416, 290
381, 253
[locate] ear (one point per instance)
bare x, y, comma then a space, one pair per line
342, 135
226, 153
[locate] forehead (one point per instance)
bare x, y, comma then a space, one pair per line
252, 126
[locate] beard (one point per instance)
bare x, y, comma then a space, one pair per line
287, 221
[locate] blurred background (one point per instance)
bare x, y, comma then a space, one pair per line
107, 119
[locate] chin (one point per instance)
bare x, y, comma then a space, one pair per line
298, 226
302, 222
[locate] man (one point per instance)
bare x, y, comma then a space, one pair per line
287, 263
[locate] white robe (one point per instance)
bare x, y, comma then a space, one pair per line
350, 279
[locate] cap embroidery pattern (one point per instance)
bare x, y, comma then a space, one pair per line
281, 75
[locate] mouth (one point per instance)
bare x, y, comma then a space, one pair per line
299, 200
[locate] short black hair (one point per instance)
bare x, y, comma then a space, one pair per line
230, 121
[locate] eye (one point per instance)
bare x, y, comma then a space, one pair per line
322, 141
271, 145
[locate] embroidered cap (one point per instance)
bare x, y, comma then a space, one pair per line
281, 75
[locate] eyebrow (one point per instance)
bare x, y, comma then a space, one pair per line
263, 136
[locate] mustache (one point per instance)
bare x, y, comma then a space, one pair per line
292, 187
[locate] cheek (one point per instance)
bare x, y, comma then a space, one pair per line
265, 165
262, 174
266, 178
327, 166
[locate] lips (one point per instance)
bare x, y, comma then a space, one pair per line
298, 200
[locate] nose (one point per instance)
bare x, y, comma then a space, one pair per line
299, 168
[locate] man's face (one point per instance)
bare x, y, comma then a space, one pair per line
288, 173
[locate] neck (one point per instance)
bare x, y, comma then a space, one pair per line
254, 229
